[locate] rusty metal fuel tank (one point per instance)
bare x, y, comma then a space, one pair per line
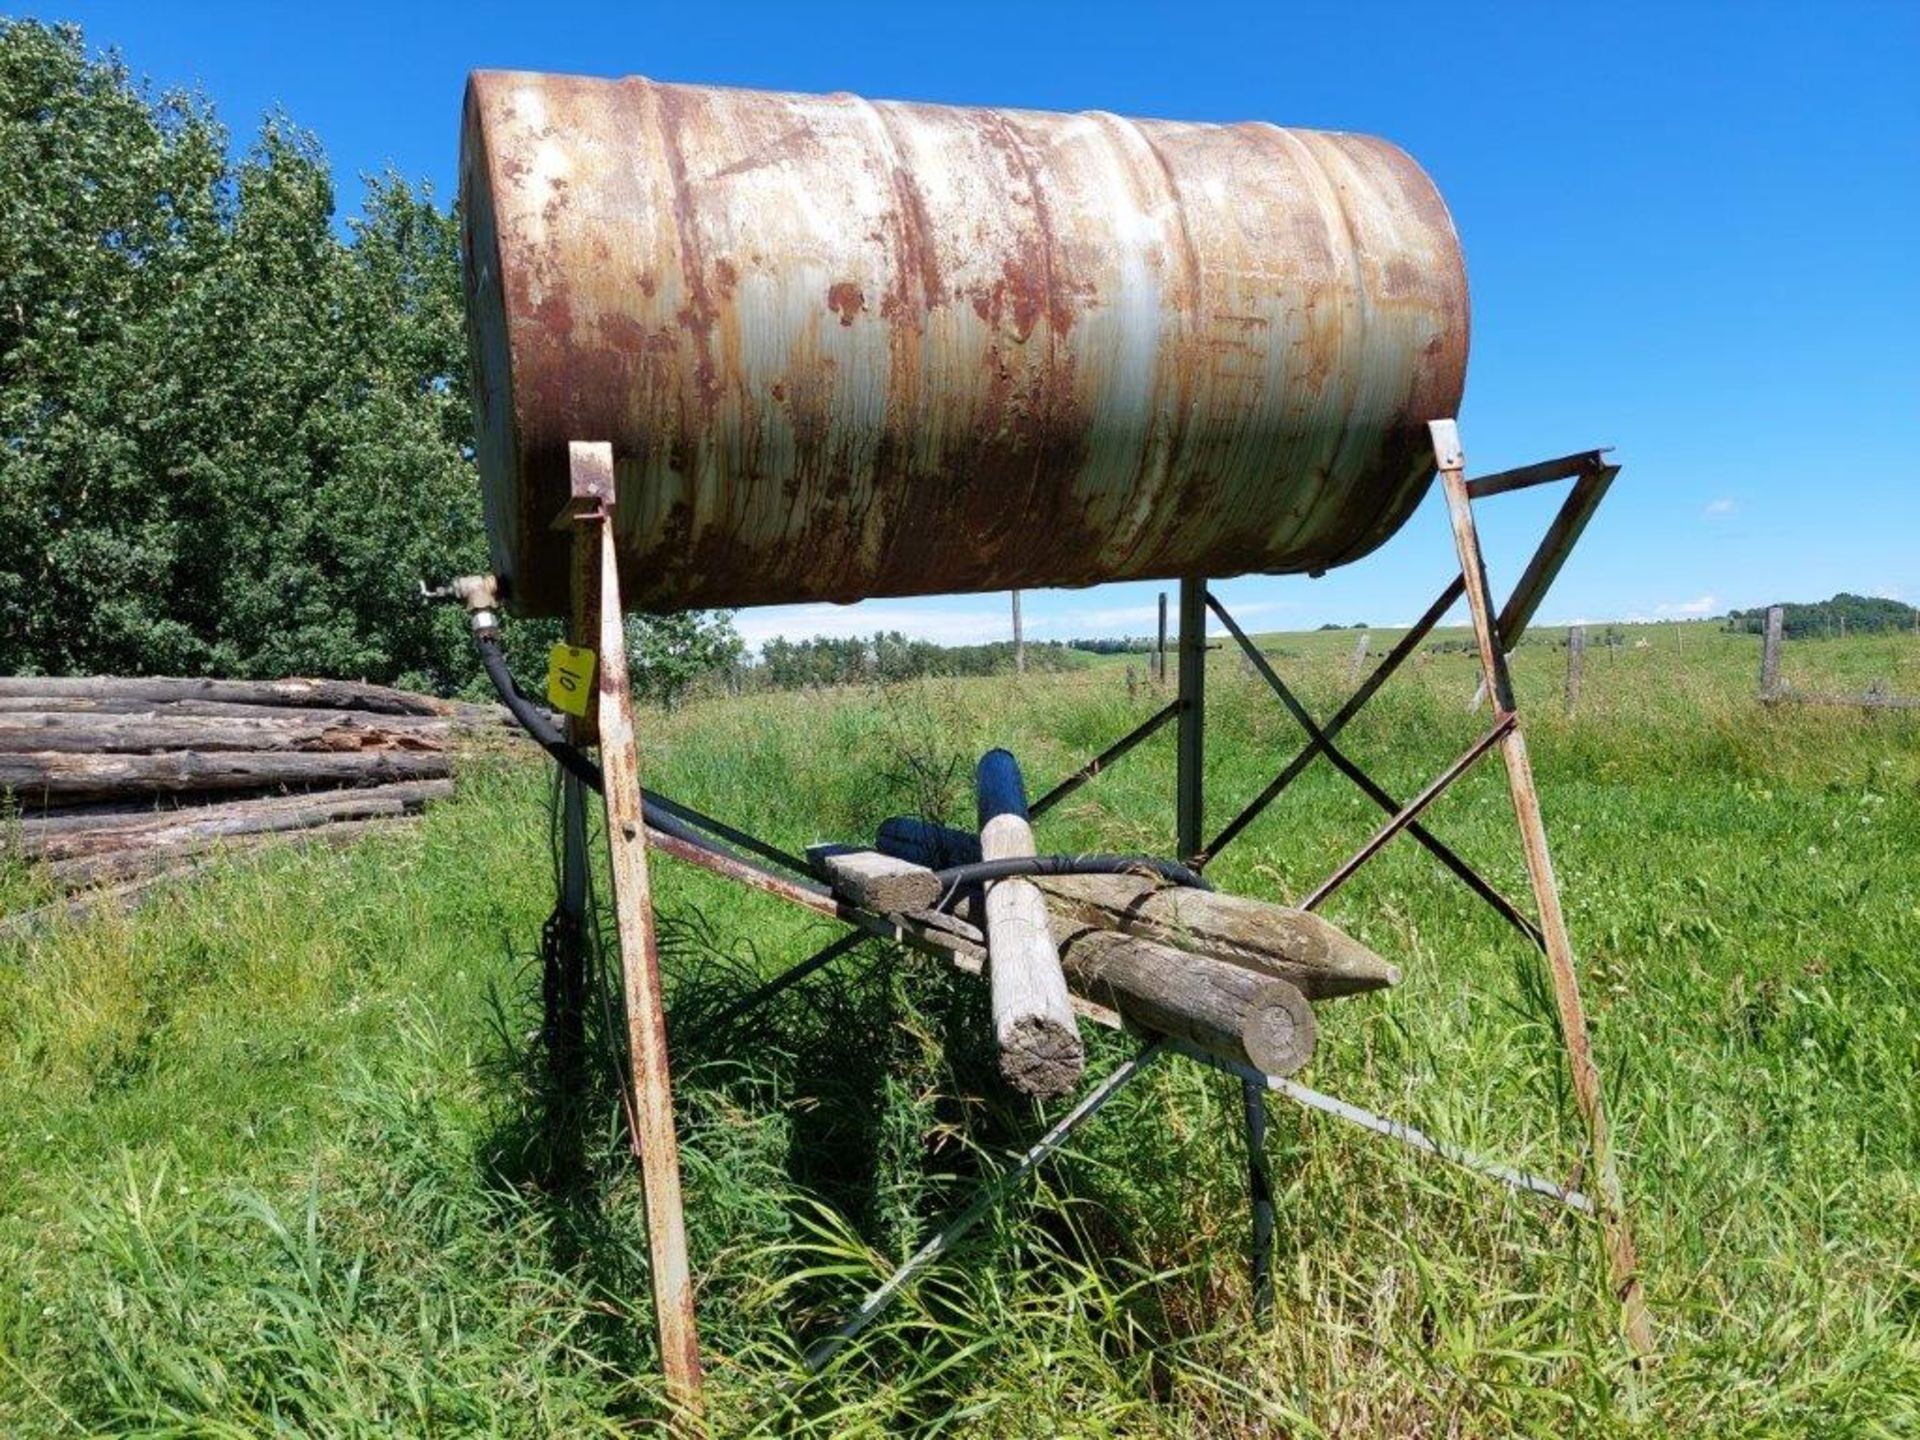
846, 348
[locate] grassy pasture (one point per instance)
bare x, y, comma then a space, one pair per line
278, 1153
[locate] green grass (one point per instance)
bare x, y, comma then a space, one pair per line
279, 1153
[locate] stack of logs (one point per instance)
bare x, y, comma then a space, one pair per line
122, 781
1229, 976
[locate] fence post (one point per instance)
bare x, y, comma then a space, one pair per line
1019, 640
1160, 649
1576, 664
1770, 656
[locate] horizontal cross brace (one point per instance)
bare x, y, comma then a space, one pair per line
1564, 467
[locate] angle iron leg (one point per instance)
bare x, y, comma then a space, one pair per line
1189, 807
1253, 1098
654, 1140
566, 989
1622, 1258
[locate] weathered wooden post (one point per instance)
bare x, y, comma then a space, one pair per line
1019, 641
1034, 1031
1576, 664
1770, 655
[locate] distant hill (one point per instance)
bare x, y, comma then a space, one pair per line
1843, 614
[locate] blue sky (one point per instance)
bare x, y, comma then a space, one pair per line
1692, 233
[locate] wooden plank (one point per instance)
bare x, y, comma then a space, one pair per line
873, 881
1037, 1042
118, 865
655, 1144
461, 716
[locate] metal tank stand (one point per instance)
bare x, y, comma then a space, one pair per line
1496, 634
599, 625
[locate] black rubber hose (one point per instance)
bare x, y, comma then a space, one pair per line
532, 718
983, 871
657, 809
665, 815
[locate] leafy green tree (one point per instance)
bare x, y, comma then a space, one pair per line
669, 653
233, 439
1842, 615
230, 439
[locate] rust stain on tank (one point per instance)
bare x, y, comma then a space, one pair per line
846, 300
1092, 348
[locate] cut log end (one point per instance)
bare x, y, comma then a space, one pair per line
1041, 1057
1279, 1031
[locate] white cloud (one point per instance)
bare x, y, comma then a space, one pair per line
1718, 509
1687, 609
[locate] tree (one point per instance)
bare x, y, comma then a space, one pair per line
671, 652
233, 439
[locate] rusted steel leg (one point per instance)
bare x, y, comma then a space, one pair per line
1253, 1099
654, 1141
565, 984
1623, 1260
1189, 805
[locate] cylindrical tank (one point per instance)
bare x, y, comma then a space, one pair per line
845, 348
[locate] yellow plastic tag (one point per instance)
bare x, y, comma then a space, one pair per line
570, 679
